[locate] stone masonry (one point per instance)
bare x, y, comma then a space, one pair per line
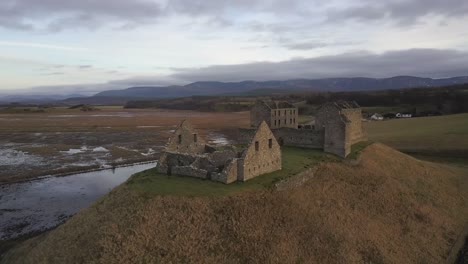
275, 114
338, 125
187, 154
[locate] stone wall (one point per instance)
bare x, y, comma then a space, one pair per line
259, 113
186, 140
275, 115
335, 138
227, 164
263, 155
356, 131
190, 171
284, 117
305, 138
229, 174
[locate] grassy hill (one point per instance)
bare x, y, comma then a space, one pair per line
389, 208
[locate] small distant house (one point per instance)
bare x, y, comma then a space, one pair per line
187, 154
275, 114
376, 117
404, 115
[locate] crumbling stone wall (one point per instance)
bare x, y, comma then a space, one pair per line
335, 139
190, 171
260, 112
226, 164
275, 114
186, 140
356, 131
263, 155
229, 174
304, 138
338, 125
284, 117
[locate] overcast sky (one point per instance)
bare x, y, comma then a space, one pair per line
85, 46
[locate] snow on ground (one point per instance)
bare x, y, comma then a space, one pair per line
100, 149
12, 157
150, 152
75, 151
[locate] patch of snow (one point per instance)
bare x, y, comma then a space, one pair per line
100, 149
150, 152
12, 157
75, 151
218, 139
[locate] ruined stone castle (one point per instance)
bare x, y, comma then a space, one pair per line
188, 154
338, 125
275, 114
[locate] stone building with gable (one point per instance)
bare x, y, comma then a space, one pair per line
275, 114
187, 154
338, 125
341, 124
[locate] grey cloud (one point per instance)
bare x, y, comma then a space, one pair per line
126, 14
401, 12
84, 67
88, 14
312, 44
54, 73
417, 62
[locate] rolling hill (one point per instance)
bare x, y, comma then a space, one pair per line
388, 208
266, 87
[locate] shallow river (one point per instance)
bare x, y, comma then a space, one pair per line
42, 204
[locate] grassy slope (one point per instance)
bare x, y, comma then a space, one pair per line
443, 136
391, 208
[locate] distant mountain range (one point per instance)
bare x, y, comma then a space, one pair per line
253, 87
244, 88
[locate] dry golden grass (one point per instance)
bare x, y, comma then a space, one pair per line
390, 208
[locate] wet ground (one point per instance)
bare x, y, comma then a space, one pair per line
65, 141
35, 206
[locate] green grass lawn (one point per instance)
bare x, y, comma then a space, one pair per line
438, 136
295, 160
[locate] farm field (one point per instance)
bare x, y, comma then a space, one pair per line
440, 138
60, 141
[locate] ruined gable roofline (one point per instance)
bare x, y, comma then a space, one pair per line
252, 140
341, 104
276, 105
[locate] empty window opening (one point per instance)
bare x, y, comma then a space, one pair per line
270, 143
195, 138
180, 139
275, 122
256, 146
284, 112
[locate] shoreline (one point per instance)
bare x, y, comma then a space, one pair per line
84, 170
